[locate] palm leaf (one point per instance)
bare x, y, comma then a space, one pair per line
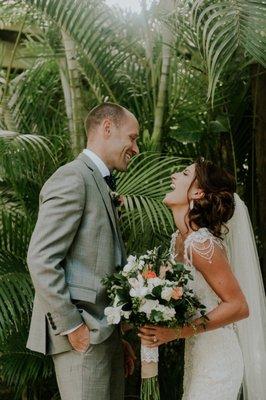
21, 368
222, 27
25, 161
143, 188
16, 291
90, 26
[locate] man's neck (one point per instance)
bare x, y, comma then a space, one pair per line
100, 154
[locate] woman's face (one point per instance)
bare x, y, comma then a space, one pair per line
180, 185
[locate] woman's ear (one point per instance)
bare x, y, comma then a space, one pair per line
197, 194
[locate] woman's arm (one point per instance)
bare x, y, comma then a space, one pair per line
233, 306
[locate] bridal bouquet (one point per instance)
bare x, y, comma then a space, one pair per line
151, 289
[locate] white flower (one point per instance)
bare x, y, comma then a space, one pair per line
169, 283
153, 282
131, 259
126, 314
168, 312
131, 263
141, 264
136, 282
139, 292
167, 293
113, 315
147, 306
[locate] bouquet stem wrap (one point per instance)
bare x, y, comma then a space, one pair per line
149, 373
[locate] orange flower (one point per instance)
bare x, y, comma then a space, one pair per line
149, 274
177, 293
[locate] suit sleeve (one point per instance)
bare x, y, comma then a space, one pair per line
62, 201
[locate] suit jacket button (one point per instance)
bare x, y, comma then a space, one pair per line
49, 314
53, 326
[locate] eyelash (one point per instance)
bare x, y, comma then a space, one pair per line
184, 173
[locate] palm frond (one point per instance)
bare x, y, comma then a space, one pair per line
16, 291
223, 27
91, 26
20, 368
23, 159
144, 188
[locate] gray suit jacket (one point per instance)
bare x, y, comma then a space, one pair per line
75, 243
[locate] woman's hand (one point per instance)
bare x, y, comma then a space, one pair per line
154, 336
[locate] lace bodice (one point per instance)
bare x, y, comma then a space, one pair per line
202, 242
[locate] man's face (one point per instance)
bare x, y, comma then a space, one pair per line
122, 143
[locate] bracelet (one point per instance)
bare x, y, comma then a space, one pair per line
195, 328
178, 330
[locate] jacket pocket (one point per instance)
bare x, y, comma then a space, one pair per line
78, 292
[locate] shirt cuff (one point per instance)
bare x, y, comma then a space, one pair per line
71, 330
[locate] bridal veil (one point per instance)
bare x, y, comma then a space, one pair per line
242, 253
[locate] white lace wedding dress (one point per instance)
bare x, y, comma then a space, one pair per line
213, 360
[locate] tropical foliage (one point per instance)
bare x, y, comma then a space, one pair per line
189, 70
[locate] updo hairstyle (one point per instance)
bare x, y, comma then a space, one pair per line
217, 206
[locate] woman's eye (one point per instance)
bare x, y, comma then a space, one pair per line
184, 173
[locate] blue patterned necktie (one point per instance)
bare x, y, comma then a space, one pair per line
111, 181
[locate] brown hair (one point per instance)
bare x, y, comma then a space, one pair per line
115, 112
217, 206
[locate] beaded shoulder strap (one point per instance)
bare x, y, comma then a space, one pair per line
202, 242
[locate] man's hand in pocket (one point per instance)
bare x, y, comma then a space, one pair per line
80, 338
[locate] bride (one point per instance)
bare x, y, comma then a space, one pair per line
219, 353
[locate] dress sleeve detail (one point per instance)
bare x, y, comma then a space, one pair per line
201, 242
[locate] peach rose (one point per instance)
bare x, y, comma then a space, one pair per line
177, 293
121, 200
149, 274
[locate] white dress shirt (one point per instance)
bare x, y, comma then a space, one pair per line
104, 172
98, 162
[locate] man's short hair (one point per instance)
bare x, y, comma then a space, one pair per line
115, 112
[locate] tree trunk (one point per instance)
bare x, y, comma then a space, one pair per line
5, 114
24, 395
167, 39
148, 46
71, 81
259, 126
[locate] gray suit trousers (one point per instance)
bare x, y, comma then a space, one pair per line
96, 374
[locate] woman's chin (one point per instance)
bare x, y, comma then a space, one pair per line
166, 200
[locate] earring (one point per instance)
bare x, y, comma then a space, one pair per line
191, 204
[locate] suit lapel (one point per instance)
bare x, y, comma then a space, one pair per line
103, 188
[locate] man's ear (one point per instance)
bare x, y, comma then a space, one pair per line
197, 194
107, 127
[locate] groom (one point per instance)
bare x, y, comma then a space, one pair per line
76, 242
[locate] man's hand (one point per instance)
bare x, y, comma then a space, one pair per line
80, 338
129, 358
